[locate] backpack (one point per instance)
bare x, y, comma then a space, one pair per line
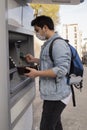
75, 75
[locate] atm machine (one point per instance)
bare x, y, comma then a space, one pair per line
17, 92
22, 88
20, 43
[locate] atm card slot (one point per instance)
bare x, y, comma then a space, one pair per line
13, 70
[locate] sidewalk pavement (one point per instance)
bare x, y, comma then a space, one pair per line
73, 118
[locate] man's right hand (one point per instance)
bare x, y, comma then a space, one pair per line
29, 58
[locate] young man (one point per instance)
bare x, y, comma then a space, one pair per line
54, 89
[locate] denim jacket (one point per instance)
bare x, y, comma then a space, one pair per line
55, 88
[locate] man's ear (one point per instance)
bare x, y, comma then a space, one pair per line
45, 27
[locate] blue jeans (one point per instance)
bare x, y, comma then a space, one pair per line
51, 115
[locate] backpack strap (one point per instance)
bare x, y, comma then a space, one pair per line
51, 46
73, 96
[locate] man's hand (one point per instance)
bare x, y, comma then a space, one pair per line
32, 74
29, 58
35, 73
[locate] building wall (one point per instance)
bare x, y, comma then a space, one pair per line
73, 34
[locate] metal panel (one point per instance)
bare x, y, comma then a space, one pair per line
21, 105
23, 2
72, 2
22, 88
4, 70
63, 1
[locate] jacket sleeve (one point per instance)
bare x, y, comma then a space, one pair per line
62, 58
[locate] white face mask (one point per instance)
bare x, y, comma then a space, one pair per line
40, 37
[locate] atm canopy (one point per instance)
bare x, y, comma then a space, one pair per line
71, 2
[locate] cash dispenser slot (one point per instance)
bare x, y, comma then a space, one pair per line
19, 45
19, 86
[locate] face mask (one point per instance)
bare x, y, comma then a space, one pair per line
40, 37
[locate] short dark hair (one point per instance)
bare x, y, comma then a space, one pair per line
42, 20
